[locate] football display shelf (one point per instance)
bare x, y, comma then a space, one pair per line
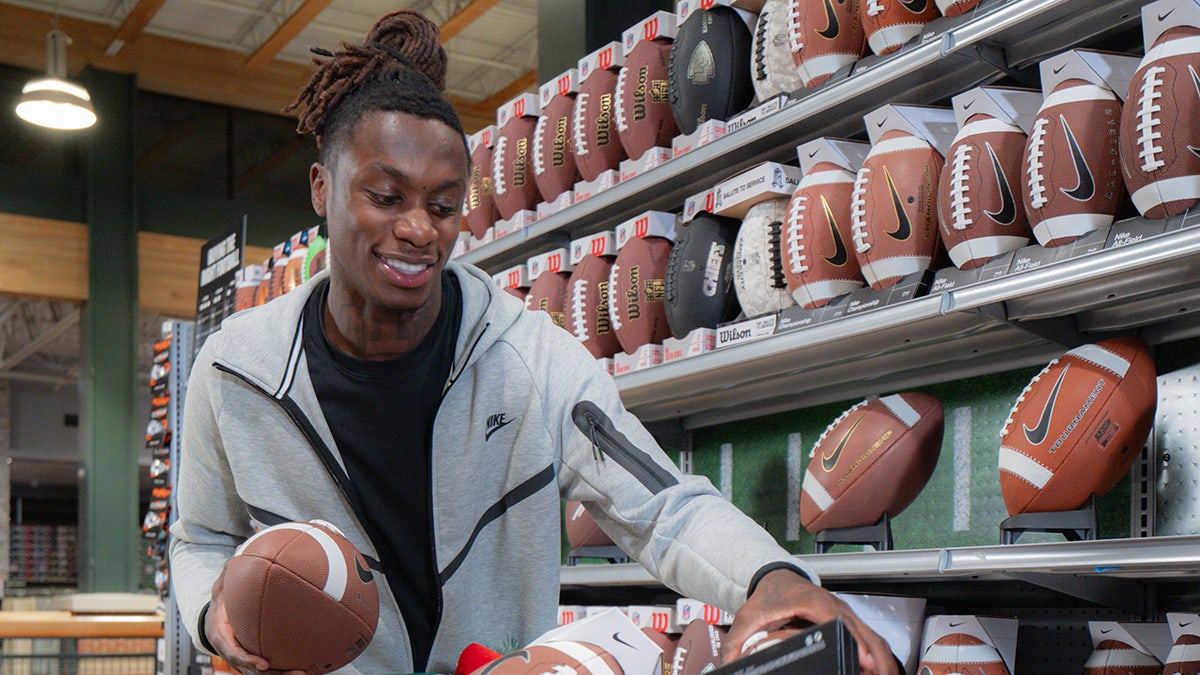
952, 55
1102, 571
1020, 320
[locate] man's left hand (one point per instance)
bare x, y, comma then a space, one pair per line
783, 596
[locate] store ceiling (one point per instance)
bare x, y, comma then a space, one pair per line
251, 54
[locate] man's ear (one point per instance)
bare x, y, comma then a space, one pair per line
318, 181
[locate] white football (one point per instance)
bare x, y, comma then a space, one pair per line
758, 274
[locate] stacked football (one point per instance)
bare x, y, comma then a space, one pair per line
553, 156
772, 69
638, 283
598, 147
699, 649
710, 60
758, 260
699, 284
1159, 135
888, 24
513, 181
979, 208
894, 208
480, 204
643, 105
587, 303
548, 294
961, 653
824, 37
1115, 657
1072, 166
817, 262
1078, 426
874, 459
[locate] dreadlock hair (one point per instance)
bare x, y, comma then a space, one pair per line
400, 67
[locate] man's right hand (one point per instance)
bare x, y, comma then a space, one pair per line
220, 635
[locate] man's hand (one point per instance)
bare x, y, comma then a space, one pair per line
220, 635
784, 595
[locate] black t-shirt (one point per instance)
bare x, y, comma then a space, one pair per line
381, 415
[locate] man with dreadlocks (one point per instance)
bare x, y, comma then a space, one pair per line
403, 398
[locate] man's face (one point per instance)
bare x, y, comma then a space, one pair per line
392, 195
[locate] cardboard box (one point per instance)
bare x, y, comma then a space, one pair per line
684, 8
935, 125
769, 180
1151, 639
688, 610
897, 619
646, 356
838, 151
565, 84
661, 24
761, 111
605, 181
1133, 230
601, 243
606, 364
951, 278
488, 237
705, 134
827, 649
657, 617
609, 57
513, 277
462, 244
613, 632
1106, 69
1159, 17
701, 202
652, 158
519, 221
557, 260
569, 614
749, 330
999, 633
648, 224
547, 209
485, 137
1007, 104
697, 342
524, 105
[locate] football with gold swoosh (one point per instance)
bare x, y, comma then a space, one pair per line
891, 23
893, 209
825, 36
302, 597
1078, 426
818, 245
873, 459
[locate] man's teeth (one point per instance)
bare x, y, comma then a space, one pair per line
405, 268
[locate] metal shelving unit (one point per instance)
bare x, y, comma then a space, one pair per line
952, 55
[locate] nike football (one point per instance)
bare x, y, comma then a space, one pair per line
481, 210
1184, 657
825, 36
893, 213
979, 198
1115, 657
301, 596
961, 653
758, 260
1159, 137
556, 656
874, 459
637, 286
643, 105
817, 261
710, 61
513, 184
553, 156
1072, 163
699, 649
956, 7
699, 284
597, 146
1078, 426
582, 529
888, 24
587, 306
549, 294
772, 69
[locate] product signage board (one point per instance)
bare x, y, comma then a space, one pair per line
220, 260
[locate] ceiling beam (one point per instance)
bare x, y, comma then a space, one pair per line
42, 378
287, 31
270, 162
465, 17
51, 333
135, 22
162, 149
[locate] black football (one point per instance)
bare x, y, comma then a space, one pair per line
709, 74
699, 285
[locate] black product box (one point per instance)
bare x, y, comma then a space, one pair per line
827, 649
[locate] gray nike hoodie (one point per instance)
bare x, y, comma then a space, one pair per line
527, 418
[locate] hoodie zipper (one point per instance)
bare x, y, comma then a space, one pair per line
607, 440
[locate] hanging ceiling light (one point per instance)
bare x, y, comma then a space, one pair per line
55, 101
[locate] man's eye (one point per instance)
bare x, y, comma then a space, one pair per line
383, 199
442, 211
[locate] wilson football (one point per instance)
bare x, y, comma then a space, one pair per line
893, 211
587, 306
699, 649
1072, 163
637, 285
553, 156
873, 459
594, 130
513, 185
758, 260
709, 68
481, 212
818, 263
825, 36
979, 194
549, 294
1078, 426
643, 105
699, 283
1159, 137
302, 597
